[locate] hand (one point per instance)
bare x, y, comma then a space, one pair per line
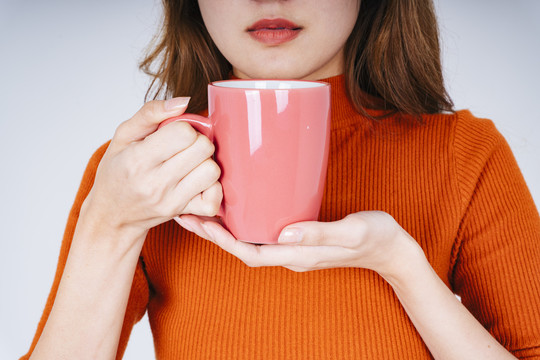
369, 239
148, 176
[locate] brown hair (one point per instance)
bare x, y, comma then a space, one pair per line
392, 58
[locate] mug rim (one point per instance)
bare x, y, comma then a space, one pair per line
261, 84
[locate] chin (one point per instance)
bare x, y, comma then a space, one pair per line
279, 73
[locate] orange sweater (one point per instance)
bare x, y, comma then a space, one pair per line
451, 182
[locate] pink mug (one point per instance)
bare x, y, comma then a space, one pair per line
272, 139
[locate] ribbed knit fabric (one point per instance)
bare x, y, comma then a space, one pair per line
451, 182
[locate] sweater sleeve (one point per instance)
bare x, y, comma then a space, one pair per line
496, 272
138, 297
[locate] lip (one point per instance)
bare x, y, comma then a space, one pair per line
274, 31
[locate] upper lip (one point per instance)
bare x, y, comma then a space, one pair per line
273, 24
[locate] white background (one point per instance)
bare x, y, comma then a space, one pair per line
69, 76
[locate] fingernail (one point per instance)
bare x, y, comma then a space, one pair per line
207, 230
291, 235
183, 223
176, 103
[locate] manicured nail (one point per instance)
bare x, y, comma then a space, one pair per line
291, 235
176, 103
208, 231
183, 223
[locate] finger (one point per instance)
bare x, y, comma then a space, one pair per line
168, 141
307, 257
199, 225
246, 252
206, 203
185, 161
147, 119
345, 232
197, 181
252, 255
297, 268
296, 258
304, 269
192, 223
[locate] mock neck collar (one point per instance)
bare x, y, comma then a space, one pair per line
343, 112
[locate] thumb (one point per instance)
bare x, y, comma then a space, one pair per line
319, 233
148, 118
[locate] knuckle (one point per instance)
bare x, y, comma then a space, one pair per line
125, 164
143, 188
121, 129
218, 191
151, 109
212, 200
213, 169
184, 206
209, 208
218, 194
207, 147
186, 134
169, 208
251, 259
360, 229
130, 171
389, 219
135, 161
216, 170
354, 217
150, 193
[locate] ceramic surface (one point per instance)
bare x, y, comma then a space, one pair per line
272, 139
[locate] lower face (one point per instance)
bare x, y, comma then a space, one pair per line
285, 39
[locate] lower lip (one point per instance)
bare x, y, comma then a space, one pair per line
274, 37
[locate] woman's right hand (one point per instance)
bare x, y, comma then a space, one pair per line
148, 176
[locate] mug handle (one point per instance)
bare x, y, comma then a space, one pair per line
200, 123
203, 125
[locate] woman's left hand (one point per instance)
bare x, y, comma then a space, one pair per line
367, 239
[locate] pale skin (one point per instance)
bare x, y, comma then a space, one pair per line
149, 176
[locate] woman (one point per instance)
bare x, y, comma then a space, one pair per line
420, 202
